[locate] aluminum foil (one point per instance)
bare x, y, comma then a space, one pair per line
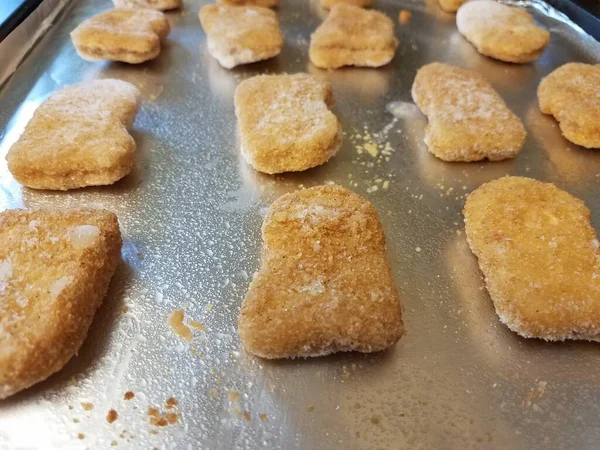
191, 213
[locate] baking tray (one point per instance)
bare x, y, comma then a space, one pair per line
191, 213
585, 13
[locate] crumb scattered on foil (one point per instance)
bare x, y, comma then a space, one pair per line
112, 416
404, 16
182, 329
160, 418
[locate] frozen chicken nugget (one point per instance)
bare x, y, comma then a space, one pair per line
78, 137
540, 258
324, 284
285, 122
241, 34
468, 121
451, 6
131, 35
263, 3
55, 268
352, 36
572, 95
328, 4
161, 5
501, 32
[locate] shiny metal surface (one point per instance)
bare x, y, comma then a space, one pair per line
191, 214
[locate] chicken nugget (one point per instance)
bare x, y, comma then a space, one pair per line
285, 122
130, 35
55, 268
328, 4
161, 5
572, 95
501, 32
540, 258
353, 36
241, 34
78, 137
263, 3
468, 120
451, 6
324, 284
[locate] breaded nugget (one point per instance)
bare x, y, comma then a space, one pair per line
55, 268
572, 95
451, 6
241, 34
352, 36
468, 121
131, 35
161, 5
324, 284
501, 32
263, 3
540, 258
78, 137
328, 4
285, 122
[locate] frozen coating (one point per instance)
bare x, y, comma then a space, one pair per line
324, 285
328, 4
468, 120
572, 95
78, 137
130, 35
241, 34
50, 287
263, 3
161, 5
501, 32
285, 122
451, 5
540, 258
352, 36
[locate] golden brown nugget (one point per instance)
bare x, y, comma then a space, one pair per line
501, 32
263, 3
241, 34
328, 4
130, 35
468, 120
451, 6
55, 268
78, 137
540, 258
161, 5
285, 122
352, 36
572, 95
324, 284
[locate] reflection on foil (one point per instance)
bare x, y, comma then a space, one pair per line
222, 81
403, 110
433, 8
241, 199
315, 7
458, 177
368, 84
570, 162
482, 324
